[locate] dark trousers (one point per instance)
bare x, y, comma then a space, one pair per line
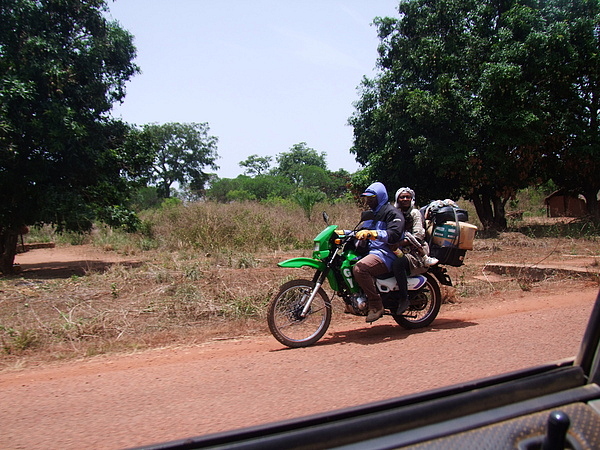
401, 269
365, 272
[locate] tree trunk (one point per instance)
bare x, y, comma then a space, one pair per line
490, 210
165, 188
484, 211
591, 198
500, 222
8, 249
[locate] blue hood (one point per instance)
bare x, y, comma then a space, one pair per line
381, 192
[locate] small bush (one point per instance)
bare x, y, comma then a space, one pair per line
16, 341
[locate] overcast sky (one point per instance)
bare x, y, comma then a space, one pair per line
264, 74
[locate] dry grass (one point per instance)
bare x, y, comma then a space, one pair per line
206, 271
127, 308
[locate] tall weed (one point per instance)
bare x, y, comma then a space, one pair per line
202, 267
240, 227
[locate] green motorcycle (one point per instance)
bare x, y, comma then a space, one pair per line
300, 313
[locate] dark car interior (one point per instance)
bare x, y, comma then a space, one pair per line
552, 406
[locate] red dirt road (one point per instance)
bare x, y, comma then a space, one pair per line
155, 396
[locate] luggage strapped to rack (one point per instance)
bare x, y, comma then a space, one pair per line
448, 232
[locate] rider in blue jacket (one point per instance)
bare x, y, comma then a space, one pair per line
384, 231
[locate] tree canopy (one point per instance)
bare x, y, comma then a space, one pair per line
243, 187
294, 163
174, 152
575, 71
62, 66
256, 165
300, 173
480, 98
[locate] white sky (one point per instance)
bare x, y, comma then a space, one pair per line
264, 74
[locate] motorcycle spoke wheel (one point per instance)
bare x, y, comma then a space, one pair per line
424, 306
285, 319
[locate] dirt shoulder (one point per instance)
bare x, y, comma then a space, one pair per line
175, 392
196, 386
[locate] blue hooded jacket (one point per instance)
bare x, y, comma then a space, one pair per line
389, 223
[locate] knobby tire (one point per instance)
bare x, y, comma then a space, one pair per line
424, 306
283, 314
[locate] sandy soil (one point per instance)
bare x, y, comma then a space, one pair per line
110, 402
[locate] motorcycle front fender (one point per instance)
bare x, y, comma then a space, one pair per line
296, 263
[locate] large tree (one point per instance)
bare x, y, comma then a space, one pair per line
465, 102
296, 163
575, 71
307, 169
256, 165
178, 152
62, 66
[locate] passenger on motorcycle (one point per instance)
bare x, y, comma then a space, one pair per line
413, 254
384, 230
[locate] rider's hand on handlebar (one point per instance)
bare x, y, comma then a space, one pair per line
366, 234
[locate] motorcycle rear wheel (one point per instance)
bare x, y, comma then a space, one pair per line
285, 321
424, 306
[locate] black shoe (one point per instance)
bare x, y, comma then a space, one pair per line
402, 306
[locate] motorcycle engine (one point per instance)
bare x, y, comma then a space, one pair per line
359, 303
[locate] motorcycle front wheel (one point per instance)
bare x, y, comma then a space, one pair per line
284, 314
424, 306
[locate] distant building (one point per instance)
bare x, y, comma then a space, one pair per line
562, 203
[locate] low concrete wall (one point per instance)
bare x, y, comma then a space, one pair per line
542, 272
